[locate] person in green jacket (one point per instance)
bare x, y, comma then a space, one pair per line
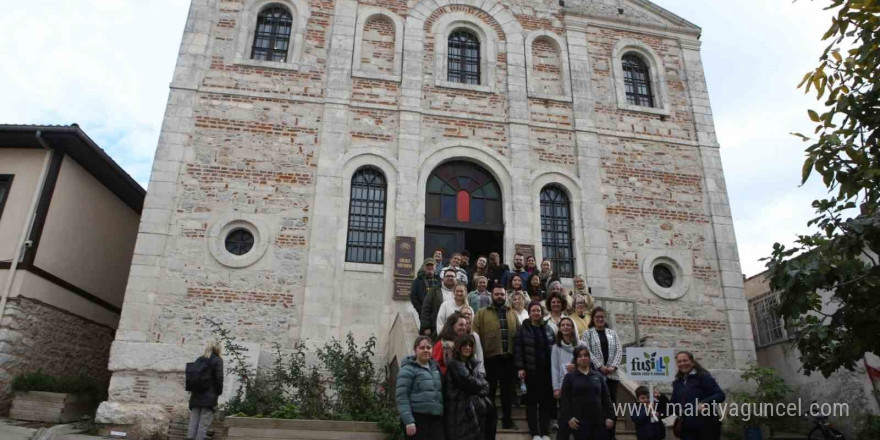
419, 393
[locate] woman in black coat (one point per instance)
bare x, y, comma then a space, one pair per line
203, 402
468, 411
585, 404
694, 384
532, 357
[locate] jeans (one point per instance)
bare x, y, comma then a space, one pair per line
199, 421
499, 369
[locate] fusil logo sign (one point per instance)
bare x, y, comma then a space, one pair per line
650, 363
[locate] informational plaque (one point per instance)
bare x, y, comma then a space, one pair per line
404, 266
401, 287
404, 257
527, 250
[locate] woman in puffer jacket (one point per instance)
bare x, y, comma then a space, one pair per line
469, 413
531, 355
562, 363
419, 393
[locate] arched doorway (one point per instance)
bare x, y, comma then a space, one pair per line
463, 210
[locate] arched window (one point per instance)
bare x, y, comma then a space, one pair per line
556, 229
272, 36
462, 194
464, 57
637, 80
366, 217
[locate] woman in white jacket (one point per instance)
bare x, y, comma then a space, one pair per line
459, 300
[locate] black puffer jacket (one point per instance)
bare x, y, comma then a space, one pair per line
208, 398
585, 397
532, 347
463, 383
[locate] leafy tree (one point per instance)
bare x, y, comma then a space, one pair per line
841, 258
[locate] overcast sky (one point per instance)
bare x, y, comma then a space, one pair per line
106, 65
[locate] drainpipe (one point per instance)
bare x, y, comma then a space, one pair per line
23, 242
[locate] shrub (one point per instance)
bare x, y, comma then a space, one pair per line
344, 385
80, 385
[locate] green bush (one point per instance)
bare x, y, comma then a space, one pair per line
868, 427
81, 385
344, 385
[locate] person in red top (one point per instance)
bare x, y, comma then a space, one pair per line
455, 326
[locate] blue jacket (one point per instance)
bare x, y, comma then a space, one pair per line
419, 390
701, 388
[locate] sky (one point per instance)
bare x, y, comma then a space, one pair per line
107, 64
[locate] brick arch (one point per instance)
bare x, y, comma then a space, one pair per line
506, 23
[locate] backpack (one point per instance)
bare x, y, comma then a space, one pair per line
198, 375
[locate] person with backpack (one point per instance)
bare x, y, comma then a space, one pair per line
204, 378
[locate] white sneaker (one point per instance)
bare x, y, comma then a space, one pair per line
546, 437
537, 437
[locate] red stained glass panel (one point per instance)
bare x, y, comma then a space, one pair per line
463, 206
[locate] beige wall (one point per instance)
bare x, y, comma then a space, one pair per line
26, 164
34, 287
89, 236
756, 285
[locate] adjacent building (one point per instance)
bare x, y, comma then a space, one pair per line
68, 222
313, 151
776, 347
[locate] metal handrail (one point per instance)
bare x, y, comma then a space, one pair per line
603, 301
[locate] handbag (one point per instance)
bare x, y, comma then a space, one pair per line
481, 404
677, 426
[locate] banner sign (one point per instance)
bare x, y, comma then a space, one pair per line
404, 257
650, 364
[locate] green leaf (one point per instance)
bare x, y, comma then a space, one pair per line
807, 169
813, 116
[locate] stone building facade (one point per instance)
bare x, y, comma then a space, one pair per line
275, 148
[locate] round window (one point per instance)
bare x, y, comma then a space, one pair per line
239, 241
664, 276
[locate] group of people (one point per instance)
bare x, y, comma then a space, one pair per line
485, 329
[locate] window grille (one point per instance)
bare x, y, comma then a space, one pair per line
464, 58
637, 80
556, 230
366, 217
769, 327
272, 36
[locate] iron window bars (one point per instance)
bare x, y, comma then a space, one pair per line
464, 58
637, 81
556, 230
366, 217
272, 36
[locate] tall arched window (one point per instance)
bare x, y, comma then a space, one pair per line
272, 36
637, 80
366, 217
464, 57
556, 229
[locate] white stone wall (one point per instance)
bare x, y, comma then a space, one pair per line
272, 146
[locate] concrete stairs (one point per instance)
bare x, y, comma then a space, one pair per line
13, 432
625, 429
177, 429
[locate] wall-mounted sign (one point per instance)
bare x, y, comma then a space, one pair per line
401, 287
404, 257
527, 250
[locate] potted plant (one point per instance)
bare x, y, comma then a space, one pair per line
40, 397
770, 389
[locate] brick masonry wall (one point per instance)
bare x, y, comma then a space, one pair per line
34, 335
546, 69
377, 53
277, 145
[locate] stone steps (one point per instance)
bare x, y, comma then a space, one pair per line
178, 429
11, 432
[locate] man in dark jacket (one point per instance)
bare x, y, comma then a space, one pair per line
203, 402
431, 304
518, 269
424, 280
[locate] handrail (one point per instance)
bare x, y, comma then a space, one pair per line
603, 302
